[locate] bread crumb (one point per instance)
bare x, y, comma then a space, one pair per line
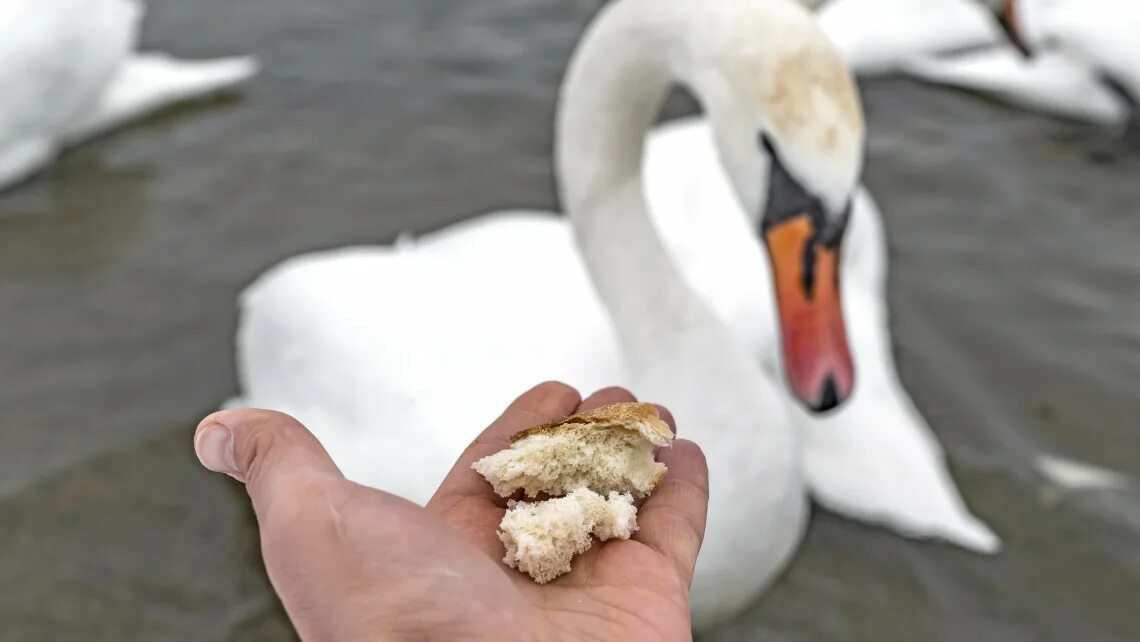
604, 451
542, 538
600, 460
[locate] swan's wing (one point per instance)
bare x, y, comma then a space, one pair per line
146, 83
876, 458
397, 357
1053, 82
875, 36
55, 59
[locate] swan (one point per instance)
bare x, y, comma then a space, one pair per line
68, 71
876, 36
1101, 34
392, 356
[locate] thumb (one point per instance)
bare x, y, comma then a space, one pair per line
272, 453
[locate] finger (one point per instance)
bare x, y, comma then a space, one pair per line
667, 417
271, 452
672, 519
543, 403
605, 397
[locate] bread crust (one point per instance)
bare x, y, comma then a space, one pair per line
637, 417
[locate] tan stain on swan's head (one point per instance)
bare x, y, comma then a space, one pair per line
809, 94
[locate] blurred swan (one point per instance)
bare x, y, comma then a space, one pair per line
68, 71
1099, 34
959, 43
394, 356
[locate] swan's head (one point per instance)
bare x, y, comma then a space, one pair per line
1018, 19
790, 131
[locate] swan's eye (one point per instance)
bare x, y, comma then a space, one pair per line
766, 144
787, 196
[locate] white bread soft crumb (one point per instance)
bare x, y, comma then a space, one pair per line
604, 458
601, 459
542, 537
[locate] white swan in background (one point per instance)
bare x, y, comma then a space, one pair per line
959, 43
395, 356
68, 71
876, 36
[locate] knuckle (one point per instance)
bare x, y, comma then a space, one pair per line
544, 402
555, 396
299, 504
265, 435
555, 392
616, 393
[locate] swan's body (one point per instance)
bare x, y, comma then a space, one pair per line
68, 71
411, 349
407, 349
877, 36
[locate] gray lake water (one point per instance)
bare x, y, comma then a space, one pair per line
1014, 293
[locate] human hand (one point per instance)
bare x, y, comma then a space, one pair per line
353, 563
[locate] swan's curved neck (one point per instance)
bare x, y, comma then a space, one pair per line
678, 352
614, 88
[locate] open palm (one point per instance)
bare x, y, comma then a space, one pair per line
354, 563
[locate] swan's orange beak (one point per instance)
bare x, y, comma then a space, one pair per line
816, 357
1007, 19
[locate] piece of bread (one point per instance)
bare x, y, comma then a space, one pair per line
600, 460
542, 537
607, 449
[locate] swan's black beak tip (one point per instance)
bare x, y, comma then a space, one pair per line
829, 398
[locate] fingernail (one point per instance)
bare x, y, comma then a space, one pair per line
215, 448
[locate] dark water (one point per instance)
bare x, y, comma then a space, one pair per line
1014, 288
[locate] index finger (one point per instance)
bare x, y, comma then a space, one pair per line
542, 403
